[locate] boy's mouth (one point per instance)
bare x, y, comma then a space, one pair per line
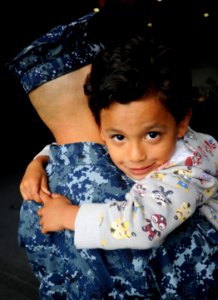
141, 170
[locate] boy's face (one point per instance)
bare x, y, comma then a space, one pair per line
140, 136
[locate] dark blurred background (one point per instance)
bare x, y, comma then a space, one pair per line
193, 22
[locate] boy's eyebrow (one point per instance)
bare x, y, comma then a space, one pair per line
113, 130
146, 128
156, 127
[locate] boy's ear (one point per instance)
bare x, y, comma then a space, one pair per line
183, 125
102, 134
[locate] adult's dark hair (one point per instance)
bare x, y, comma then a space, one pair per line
138, 68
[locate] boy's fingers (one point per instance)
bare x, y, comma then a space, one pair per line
44, 186
55, 195
45, 190
31, 196
39, 212
44, 197
24, 196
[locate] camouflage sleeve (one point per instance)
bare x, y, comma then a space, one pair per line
61, 50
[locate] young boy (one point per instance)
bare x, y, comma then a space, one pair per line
148, 138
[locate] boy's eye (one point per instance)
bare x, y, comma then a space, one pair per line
118, 137
153, 135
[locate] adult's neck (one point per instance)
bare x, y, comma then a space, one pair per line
81, 128
63, 107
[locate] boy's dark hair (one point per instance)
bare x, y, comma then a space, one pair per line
138, 68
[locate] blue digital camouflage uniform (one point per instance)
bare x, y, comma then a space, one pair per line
184, 267
81, 171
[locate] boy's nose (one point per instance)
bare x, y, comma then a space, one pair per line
137, 153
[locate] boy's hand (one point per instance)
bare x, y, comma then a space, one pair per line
34, 179
57, 213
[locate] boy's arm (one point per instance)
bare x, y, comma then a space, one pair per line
151, 211
35, 177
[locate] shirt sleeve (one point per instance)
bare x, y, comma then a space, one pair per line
151, 210
44, 151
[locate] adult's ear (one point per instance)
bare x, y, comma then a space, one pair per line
184, 124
